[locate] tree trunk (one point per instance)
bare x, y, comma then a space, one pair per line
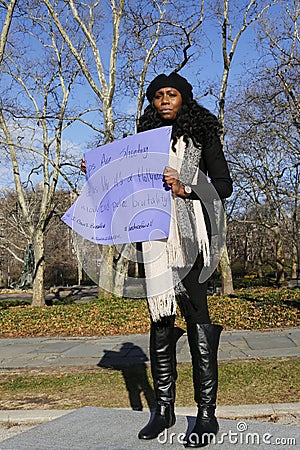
226, 274
295, 262
6, 26
127, 255
38, 294
120, 276
245, 255
2, 282
279, 257
106, 274
295, 243
79, 272
260, 263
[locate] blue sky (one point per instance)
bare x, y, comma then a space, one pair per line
207, 69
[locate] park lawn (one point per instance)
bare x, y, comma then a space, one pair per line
274, 380
251, 308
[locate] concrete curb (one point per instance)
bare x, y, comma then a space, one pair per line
256, 411
248, 411
31, 416
38, 416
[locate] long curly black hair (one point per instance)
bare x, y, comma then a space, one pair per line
192, 121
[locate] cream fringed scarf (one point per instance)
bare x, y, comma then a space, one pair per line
187, 237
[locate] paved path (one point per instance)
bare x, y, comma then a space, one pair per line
80, 294
97, 428
133, 349
100, 428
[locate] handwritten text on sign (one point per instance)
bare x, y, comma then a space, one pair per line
124, 199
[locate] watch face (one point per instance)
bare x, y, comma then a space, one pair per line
187, 189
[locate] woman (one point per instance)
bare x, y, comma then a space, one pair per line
195, 145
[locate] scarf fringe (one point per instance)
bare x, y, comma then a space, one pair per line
175, 255
204, 248
162, 306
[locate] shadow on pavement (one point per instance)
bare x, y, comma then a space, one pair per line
131, 361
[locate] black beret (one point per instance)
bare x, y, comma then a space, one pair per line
173, 80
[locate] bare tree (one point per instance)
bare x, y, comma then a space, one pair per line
158, 37
280, 41
108, 48
60, 258
247, 13
13, 236
32, 128
266, 122
235, 17
262, 144
87, 16
9, 7
141, 34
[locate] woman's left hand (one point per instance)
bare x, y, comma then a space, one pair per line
83, 166
171, 178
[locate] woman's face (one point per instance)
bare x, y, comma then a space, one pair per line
167, 102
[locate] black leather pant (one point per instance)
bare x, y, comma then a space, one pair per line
193, 305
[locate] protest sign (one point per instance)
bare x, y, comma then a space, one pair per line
125, 198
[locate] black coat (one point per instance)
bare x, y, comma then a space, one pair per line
216, 183
213, 164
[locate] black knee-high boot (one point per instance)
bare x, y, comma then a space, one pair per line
204, 341
163, 338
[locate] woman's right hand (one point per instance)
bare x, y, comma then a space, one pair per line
83, 166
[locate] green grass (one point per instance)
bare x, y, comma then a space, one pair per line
256, 308
240, 382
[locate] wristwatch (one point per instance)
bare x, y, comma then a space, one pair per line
187, 189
